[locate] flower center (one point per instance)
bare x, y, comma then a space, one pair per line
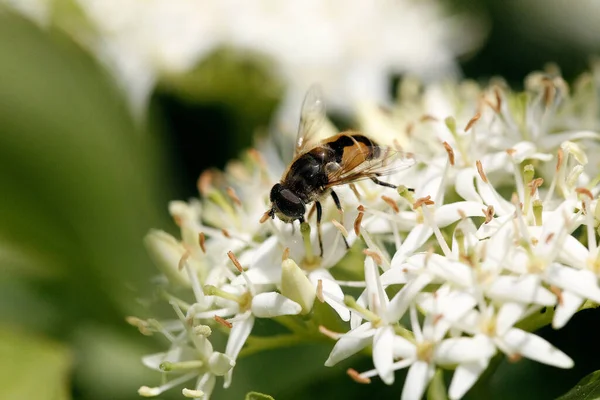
425, 351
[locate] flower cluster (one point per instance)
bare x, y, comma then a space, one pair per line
495, 238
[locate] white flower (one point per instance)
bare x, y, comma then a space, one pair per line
352, 48
382, 314
494, 327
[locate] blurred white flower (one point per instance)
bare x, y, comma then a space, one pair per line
352, 48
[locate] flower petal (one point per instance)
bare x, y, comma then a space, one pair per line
524, 289
237, 336
535, 348
465, 377
351, 343
400, 302
419, 375
332, 292
584, 283
464, 350
271, 304
383, 358
566, 308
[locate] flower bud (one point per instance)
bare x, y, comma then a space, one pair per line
296, 286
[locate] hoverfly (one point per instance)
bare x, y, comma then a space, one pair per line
320, 164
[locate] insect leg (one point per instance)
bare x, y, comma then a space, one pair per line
336, 200
319, 215
377, 181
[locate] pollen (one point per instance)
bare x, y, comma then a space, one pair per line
358, 220
423, 201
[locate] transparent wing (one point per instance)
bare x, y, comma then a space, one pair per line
312, 119
388, 162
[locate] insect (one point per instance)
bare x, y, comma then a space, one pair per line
320, 164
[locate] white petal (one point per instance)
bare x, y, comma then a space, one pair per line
415, 239
573, 252
508, 315
237, 336
465, 185
450, 270
271, 304
464, 350
524, 289
450, 213
419, 375
492, 198
535, 348
351, 343
376, 296
581, 282
399, 304
465, 377
332, 292
382, 356
568, 306
403, 348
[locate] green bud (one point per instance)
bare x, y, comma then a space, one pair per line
296, 286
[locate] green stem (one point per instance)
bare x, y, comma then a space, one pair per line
255, 344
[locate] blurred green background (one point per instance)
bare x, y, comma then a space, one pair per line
82, 181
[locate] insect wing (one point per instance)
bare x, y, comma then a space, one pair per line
312, 120
387, 162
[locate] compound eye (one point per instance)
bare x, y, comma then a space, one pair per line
289, 204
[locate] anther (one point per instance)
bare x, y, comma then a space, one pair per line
356, 377
450, 152
329, 333
286, 254
225, 233
265, 216
205, 182
488, 213
202, 242
183, 260
391, 203
534, 185
340, 228
320, 291
235, 261
481, 171
233, 196
223, 322
472, 122
584, 192
423, 201
560, 155
374, 255
358, 220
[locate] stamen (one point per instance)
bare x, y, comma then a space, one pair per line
498, 99
586, 196
355, 191
202, 242
489, 214
574, 175
205, 182
534, 185
358, 220
146, 391
559, 158
391, 203
223, 322
195, 282
139, 323
356, 377
481, 171
320, 291
265, 216
423, 201
558, 293
286, 254
374, 255
225, 233
340, 227
436, 230
233, 196
235, 261
192, 393
329, 333
414, 323
472, 122
450, 152
515, 357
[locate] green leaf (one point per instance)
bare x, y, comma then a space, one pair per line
32, 367
586, 389
258, 396
437, 387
